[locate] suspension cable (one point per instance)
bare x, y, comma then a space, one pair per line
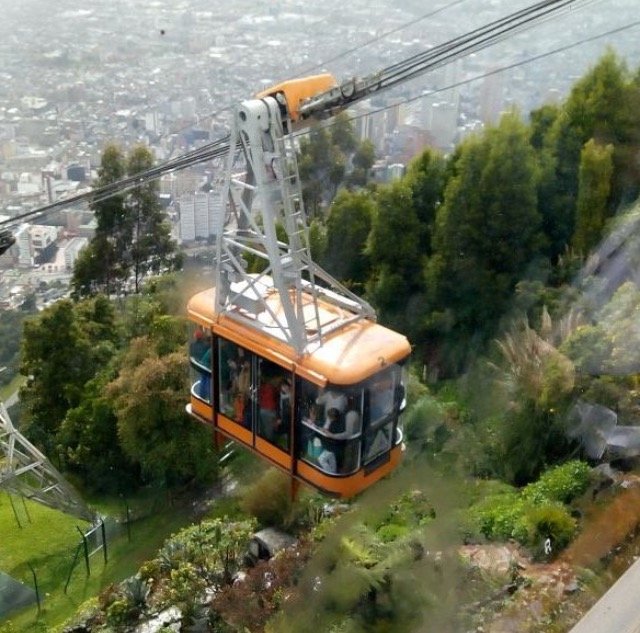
389, 77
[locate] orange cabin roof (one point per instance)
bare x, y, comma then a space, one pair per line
347, 355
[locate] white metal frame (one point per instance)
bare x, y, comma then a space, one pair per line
254, 202
25, 471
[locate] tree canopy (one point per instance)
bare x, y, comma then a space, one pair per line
132, 238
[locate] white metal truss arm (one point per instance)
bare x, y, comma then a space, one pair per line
25, 471
267, 195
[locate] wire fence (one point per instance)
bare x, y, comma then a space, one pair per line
56, 560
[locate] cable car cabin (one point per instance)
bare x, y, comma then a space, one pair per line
330, 418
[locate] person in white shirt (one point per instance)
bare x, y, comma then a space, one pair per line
331, 399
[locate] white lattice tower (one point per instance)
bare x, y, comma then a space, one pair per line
25, 471
266, 194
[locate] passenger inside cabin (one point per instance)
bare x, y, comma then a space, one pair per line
327, 461
200, 352
352, 423
381, 443
381, 397
319, 453
242, 391
334, 424
283, 421
198, 346
332, 399
268, 397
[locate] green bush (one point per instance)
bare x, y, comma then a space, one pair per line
119, 613
531, 515
186, 587
269, 500
150, 570
214, 548
495, 517
392, 532
561, 483
550, 520
424, 424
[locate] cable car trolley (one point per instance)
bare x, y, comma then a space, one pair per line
287, 361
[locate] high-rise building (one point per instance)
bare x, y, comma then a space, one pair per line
72, 249
197, 212
23, 244
43, 242
442, 123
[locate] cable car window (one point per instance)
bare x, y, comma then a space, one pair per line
331, 455
274, 403
377, 441
200, 356
331, 426
382, 392
235, 384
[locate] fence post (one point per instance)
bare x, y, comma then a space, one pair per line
86, 550
73, 565
26, 510
104, 541
15, 514
126, 505
35, 583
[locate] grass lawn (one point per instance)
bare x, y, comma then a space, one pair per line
15, 384
49, 543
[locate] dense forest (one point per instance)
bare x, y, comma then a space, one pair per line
509, 264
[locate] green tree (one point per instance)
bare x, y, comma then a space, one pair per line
152, 249
10, 328
348, 227
88, 440
425, 176
330, 157
395, 286
62, 349
542, 121
362, 161
153, 428
596, 168
133, 236
487, 232
101, 266
342, 133
603, 105
313, 165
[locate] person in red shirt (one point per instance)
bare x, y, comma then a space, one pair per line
268, 402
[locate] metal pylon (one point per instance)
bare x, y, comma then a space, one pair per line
268, 194
25, 471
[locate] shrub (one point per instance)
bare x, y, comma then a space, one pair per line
424, 424
119, 613
412, 508
186, 589
392, 532
151, 570
550, 520
213, 548
561, 483
269, 499
495, 517
533, 514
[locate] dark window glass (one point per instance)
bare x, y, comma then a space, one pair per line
200, 357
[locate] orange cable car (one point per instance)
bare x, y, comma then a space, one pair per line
330, 418
289, 362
